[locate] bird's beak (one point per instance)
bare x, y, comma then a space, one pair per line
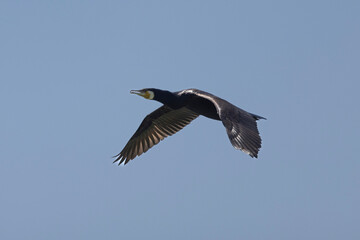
138, 92
144, 93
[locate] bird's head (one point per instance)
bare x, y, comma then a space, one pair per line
146, 93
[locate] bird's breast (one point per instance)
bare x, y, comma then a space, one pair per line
204, 107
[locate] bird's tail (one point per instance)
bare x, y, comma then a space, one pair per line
257, 117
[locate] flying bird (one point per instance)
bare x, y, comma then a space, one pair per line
179, 109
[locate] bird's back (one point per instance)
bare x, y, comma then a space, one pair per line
240, 125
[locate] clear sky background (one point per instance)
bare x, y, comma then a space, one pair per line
66, 69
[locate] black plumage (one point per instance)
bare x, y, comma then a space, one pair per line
179, 109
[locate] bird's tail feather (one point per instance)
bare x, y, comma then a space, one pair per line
257, 117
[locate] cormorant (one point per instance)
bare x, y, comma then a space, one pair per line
179, 109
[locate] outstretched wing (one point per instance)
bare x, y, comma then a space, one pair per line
156, 126
240, 125
242, 130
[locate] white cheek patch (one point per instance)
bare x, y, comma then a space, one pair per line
151, 95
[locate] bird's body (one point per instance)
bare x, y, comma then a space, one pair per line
179, 109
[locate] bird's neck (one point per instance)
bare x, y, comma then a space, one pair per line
168, 98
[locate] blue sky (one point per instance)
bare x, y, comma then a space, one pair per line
66, 69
